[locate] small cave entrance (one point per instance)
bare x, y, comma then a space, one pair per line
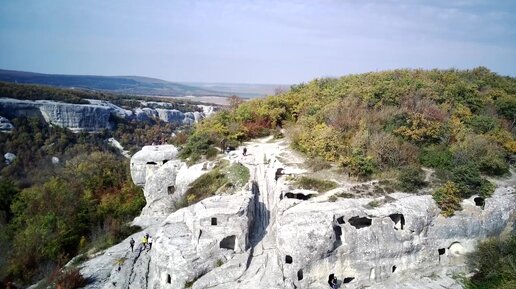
279, 172
152, 163
288, 259
480, 202
348, 279
214, 221
300, 275
394, 268
399, 221
165, 161
171, 190
169, 279
228, 243
301, 197
441, 252
340, 220
360, 222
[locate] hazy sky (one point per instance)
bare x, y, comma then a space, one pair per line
254, 41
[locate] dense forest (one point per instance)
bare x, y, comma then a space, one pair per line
388, 125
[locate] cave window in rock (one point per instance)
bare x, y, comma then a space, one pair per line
399, 221
288, 259
152, 163
171, 190
480, 202
300, 275
278, 174
290, 196
441, 252
340, 220
348, 279
228, 243
214, 221
359, 222
169, 279
165, 161
302, 197
394, 268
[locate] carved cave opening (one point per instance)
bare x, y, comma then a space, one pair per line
171, 190
480, 202
228, 243
152, 163
394, 268
348, 279
214, 221
340, 220
338, 233
288, 259
169, 279
300, 275
360, 222
399, 221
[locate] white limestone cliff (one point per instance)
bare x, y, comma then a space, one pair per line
267, 236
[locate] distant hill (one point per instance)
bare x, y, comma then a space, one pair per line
135, 85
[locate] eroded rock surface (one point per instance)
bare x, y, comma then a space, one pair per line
260, 238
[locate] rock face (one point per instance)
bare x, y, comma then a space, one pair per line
276, 237
91, 117
72, 116
5, 125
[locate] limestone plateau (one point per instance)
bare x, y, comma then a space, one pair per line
269, 235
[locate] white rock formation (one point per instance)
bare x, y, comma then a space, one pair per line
149, 159
268, 238
91, 117
9, 158
5, 125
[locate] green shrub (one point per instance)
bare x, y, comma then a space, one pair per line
436, 156
237, 174
358, 165
469, 182
205, 186
482, 124
493, 261
318, 164
211, 153
411, 179
374, 203
332, 198
448, 198
318, 185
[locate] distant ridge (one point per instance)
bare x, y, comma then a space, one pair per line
136, 85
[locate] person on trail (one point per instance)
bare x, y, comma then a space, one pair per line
244, 153
144, 241
132, 244
332, 281
149, 240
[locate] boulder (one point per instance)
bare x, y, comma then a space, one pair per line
9, 158
5, 125
148, 159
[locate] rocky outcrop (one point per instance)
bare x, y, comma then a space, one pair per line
266, 239
72, 116
5, 125
9, 158
149, 159
94, 116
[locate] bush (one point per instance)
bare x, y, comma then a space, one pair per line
448, 198
469, 182
493, 261
436, 156
358, 165
68, 279
318, 185
318, 164
411, 179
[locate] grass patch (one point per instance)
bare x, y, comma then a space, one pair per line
223, 177
318, 185
374, 203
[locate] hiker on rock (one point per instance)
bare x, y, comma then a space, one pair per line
144, 241
132, 244
244, 153
149, 240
